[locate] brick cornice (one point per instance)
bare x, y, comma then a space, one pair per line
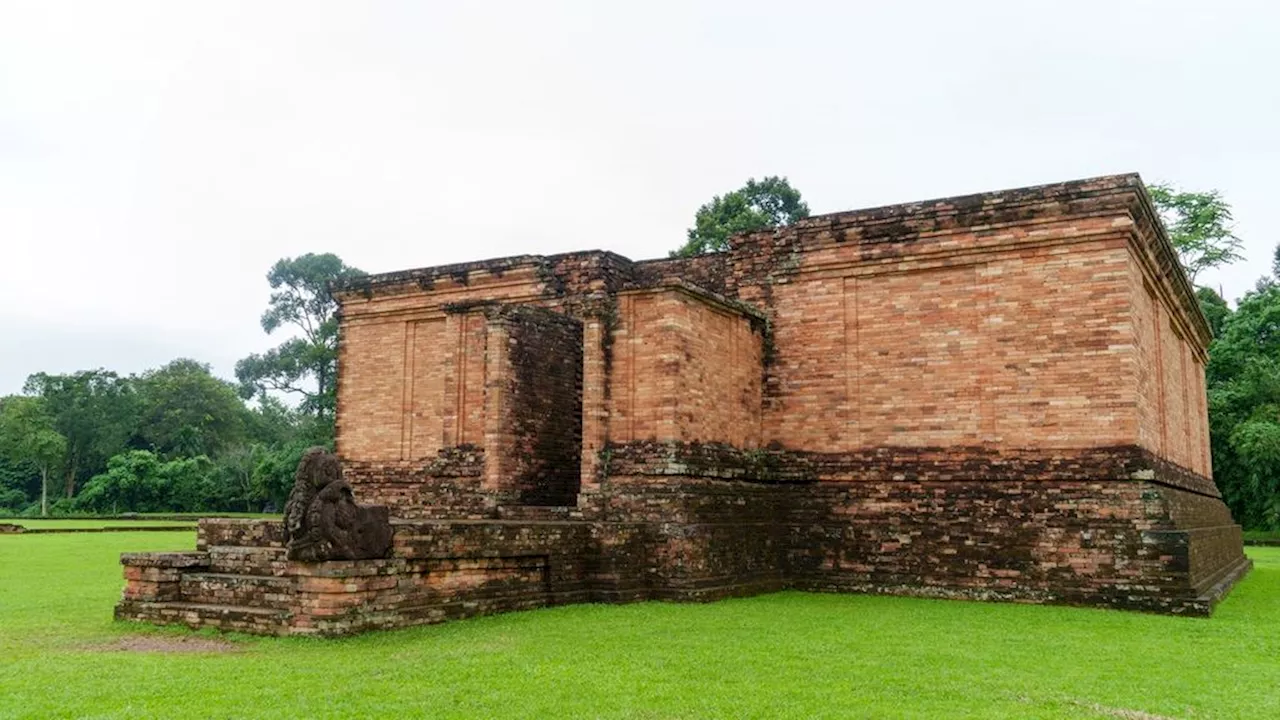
1154, 239
675, 284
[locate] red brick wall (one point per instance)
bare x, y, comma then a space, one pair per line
466, 338
640, 392
684, 368
1059, 355
1172, 409
1018, 348
372, 389
719, 381
1047, 318
411, 376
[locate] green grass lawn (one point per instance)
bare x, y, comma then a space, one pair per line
783, 655
141, 520
57, 523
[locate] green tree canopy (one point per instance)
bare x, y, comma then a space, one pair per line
28, 436
95, 410
1244, 408
186, 411
139, 481
1200, 227
758, 205
1215, 309
306, 365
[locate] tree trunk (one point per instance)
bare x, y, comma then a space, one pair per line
44, 491
71, 477
321, 383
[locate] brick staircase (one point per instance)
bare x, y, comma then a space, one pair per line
239, 587
239, 578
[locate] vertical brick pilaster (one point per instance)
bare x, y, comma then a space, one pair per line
498, 441
595, 412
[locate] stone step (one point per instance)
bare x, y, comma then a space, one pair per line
245, 560
256, 620
234, 589
246, 532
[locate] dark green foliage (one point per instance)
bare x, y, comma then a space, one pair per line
258, 478
95, 410
274, 423
1215, 309
186, 411
758, 205
1244, 408
13, 493
274, 473
1199, 225
131, 482
304, 366
139, 481
171, 439
31, 447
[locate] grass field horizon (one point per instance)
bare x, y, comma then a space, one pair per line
787, 654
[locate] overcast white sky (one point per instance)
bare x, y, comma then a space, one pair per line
157, 158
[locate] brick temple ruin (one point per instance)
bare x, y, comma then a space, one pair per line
998, 397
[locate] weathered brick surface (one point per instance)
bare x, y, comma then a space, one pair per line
439, 571
1097, 543
993, 396
451, 484
534, 394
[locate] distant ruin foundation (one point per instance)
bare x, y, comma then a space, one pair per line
994, 397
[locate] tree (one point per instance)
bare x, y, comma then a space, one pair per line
15, 479
27, 435
139, 481
186, 411
1215, 309
305, 365
274, 474
768, 203
95, 410
1244, 407
236, 474
1199, 225
193, 485
273, 423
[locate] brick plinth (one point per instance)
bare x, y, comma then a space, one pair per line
1104, 542
1109, 544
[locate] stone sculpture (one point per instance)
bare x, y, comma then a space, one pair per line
322, 520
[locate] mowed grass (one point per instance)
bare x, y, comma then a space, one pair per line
783, 655
141, 520
60, 524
